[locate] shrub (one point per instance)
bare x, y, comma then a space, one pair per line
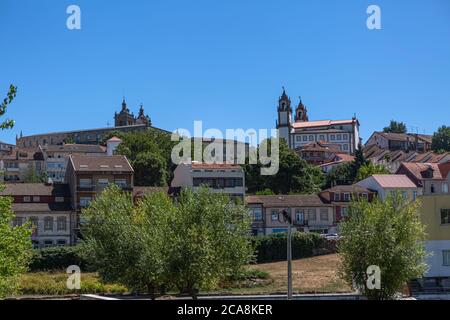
274, 247
58, 258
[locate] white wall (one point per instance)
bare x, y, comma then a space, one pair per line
435, 261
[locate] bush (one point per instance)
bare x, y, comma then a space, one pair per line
274, 247
58, 258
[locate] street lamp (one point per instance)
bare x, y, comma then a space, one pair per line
288, 219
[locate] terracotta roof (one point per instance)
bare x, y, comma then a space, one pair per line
40, 207
318, 146
393, 181
286, 200
321, 123
82, 148
86, 163
36, 189
445, 169
198, 165
348, 188
115, 139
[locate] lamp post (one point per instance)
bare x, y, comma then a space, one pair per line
288, 219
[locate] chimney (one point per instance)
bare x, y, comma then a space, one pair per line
111, 145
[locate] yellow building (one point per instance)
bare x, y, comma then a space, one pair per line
436, 217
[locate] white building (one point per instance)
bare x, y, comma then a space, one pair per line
384, 184
225, 178
299, 131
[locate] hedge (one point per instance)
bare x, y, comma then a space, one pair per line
274, 247
57, 258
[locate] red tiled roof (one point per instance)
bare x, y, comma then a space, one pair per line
286, 200
321, 123
115, 139
35, 189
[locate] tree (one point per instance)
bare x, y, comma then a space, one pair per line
441, 140
369, 170
388, 235
396, 127
8, 123
295, 175
157, 245
30, 176
343, 174
149, 153
15, 242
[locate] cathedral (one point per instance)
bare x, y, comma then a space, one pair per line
125, 118
299, 131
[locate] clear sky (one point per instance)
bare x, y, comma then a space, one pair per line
224, 62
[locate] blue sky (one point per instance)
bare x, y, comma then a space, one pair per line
224, 62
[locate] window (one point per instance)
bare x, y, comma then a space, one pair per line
121, 182
84, 201
345, 147
404, 194
48, 224
62, 223
59, 199
414, 195
299, 215
365, 196
337, 197
432, 188
445, 187
257, 214
274, 215
344, 212
339, 137
297, 138
312, 214
445, 216
17, 221
345, 137
322, 137
311, 138
26, 199
48, 243
333, 137
85, 183
36, 199
239, 182
305, 138
61, 243
346, 196
446, 258
324, 214
103, 183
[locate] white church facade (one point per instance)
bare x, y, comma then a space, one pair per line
298, 131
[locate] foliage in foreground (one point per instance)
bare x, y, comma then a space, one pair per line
386, 234
15, 248
158, 245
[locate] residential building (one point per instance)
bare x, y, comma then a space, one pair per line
434, 180
400, 141
341, 196
385, 184
309, 213
87, 176
223, 178
6, 148
299, 130
56, 157
47, 207
21, 163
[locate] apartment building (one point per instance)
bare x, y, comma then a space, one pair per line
400, 141
309, 213
224, 178
47, 207
56, 157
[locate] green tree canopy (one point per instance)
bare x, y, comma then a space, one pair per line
396, 127
8, 123
441, 139
149, 153
386, 234
370, 169
189, 245
295, 175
